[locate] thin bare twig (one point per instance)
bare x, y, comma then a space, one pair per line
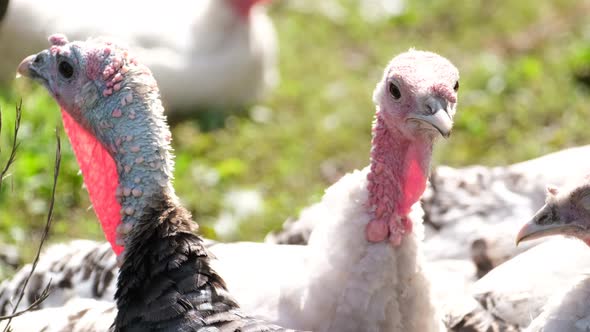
15, 143
42, 297
45, 292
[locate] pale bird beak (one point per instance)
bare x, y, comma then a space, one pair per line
24, 68
545, 224
36, 67
437, 116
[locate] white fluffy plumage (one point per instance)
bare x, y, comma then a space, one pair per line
344, 285
568, 310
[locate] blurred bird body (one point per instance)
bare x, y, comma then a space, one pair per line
566, 212
207, 53
546, 288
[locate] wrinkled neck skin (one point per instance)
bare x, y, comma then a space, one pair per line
132, 128
399, 170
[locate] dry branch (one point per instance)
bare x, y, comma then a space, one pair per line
48, 220
15, 144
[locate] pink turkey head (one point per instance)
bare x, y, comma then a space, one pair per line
418, 94
416, 101
566, 212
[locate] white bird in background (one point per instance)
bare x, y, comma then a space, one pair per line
206, 53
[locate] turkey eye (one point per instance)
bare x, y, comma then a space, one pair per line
394, 91
456, 87
65, 69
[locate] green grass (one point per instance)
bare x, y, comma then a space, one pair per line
522, 66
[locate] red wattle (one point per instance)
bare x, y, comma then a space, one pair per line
100, 176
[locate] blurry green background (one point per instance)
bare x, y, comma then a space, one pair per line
525, 76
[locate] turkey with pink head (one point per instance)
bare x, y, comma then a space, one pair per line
114, 118
363, 268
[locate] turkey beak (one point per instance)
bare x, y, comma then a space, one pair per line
435, 115
545, 223
32, 66
24, 67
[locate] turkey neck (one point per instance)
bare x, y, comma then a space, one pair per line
138, 139
164, 267
399, 169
